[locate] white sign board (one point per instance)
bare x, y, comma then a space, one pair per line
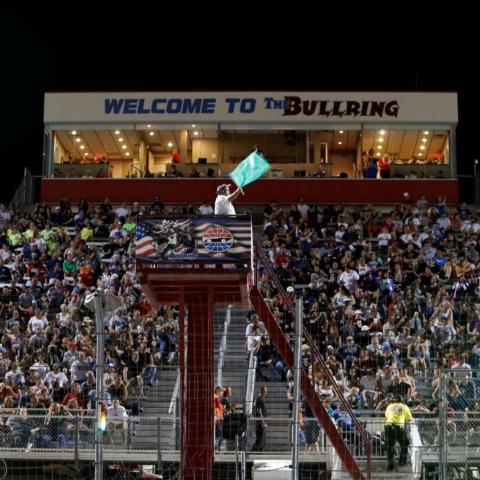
258, 107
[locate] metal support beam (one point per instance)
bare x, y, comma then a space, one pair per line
99, 369
297, 373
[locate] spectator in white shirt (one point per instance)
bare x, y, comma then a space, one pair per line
116, 420
79, 368
383, 238
444, 222
254, 340
121, 212
205, 208
303, 208
16, 375
56, 375
118, 231
340, 233
349, 277
37, 321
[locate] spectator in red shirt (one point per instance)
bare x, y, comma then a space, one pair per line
74, 393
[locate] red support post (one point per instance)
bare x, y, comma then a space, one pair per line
197, 386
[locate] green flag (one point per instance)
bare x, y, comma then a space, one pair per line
250, 169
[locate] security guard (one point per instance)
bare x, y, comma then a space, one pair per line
396, 414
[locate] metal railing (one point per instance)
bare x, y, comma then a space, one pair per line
251, 378
223, 344
172, 408
316, 356
151, 439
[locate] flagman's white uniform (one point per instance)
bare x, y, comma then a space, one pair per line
223, 206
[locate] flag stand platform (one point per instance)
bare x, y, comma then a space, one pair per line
196, 263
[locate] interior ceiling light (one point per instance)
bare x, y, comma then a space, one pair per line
378, 154
149, 126
193, 125
379, 147
341, 131
422, 147
426, 132
127, 153
117, 132
82, 147
419, 154
120, 139
170, 144
380, 140
86, 154
78, 139
424, 140
339, 143
74, 132
124, 147
382, 132
152, 134
195, 133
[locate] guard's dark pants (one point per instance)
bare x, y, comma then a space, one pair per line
394, 434
259, 444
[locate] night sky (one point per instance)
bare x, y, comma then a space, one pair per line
110, 48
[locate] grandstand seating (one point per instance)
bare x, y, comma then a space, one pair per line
431, 253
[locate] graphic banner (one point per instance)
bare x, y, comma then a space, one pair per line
199, 239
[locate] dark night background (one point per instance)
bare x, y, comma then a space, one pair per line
114, 48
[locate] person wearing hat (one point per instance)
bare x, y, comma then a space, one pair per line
396, 416
223, 202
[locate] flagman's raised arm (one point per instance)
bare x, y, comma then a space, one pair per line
235, 194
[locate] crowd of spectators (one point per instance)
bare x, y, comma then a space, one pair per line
391, 297
50, 260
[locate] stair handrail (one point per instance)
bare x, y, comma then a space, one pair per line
173, 402
250, 390
315, 353
223, 345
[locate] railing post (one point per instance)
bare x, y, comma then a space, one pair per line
76, 436
442, 427
237, 472
296, 385
129, 433
243, 467
98, 302
159, 445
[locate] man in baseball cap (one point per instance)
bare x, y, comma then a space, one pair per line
223, 202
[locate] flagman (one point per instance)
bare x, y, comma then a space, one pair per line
223, 202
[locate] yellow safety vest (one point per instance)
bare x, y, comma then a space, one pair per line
397, 413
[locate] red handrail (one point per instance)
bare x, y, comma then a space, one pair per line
317, 355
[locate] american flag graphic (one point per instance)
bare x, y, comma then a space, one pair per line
144, 246
167, 240
242, 239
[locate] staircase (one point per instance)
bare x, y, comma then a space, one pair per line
278, 436
235, 365
156, 404
280, 341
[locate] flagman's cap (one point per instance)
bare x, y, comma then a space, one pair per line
222, 188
